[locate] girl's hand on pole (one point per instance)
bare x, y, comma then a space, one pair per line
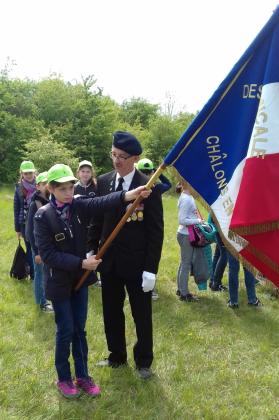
91, 263
133, 194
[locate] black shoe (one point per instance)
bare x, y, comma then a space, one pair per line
218, 288
189, 298
232, 305
109, 363
144, 373
178, 293
257, 303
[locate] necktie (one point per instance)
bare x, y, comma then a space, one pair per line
120, 184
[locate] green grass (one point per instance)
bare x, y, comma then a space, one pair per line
210, 362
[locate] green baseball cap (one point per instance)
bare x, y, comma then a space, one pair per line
145, 164
85, 163
60, 173
42, 177
27, 166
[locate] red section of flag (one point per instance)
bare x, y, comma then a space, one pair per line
263, 253
258, 198
256, 213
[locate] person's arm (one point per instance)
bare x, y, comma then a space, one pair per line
165, 183
17, 205
185, 214
154, 229
53, 257
91, 206
47, 249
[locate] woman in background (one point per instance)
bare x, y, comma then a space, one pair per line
24, 190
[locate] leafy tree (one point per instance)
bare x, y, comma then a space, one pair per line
90, 131
14, 132
45, 152
139, 111
164, 133
56, 100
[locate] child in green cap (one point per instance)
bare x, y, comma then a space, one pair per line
60, 233
39, 199
24, 191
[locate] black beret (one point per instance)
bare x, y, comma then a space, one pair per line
125, 141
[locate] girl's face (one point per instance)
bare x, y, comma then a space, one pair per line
28, 176
63, 193
42, 187
85, 174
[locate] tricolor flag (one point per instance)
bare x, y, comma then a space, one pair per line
230, 153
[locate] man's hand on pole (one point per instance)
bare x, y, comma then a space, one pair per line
134, 194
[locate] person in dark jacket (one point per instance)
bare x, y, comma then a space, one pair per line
60, 234
24, 190
132, 260
146, 166
39, 199
86, 184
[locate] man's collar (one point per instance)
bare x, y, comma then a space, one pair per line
127, 178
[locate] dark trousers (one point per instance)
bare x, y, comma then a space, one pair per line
70, 318
29, 255
219, 262
249, 280
113, 294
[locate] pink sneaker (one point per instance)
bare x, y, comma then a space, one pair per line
88, 386
68, 389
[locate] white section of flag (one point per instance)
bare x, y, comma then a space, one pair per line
265, 135
224, 201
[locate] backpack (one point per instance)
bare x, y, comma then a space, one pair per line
19, 269
201, 234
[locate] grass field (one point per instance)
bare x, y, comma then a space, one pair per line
210, 362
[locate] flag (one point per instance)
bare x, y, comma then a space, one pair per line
230, 154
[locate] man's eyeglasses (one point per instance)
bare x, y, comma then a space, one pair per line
114, 156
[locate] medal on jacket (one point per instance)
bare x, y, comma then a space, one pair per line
137, 215
140, 212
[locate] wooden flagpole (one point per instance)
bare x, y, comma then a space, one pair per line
121, 223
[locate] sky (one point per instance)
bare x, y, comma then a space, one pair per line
164, 51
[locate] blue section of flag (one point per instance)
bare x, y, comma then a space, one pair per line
218, 139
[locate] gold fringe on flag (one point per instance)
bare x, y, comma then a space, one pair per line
259, 228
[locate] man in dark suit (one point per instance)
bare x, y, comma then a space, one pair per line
132, 260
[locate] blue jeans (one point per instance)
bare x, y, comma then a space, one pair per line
70, 318
219, 263
249, 279
39, 290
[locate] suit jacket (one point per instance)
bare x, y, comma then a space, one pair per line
138, 245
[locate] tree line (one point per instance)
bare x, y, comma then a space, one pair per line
52, 120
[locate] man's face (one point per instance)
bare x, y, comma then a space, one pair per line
64, 192
123, 163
